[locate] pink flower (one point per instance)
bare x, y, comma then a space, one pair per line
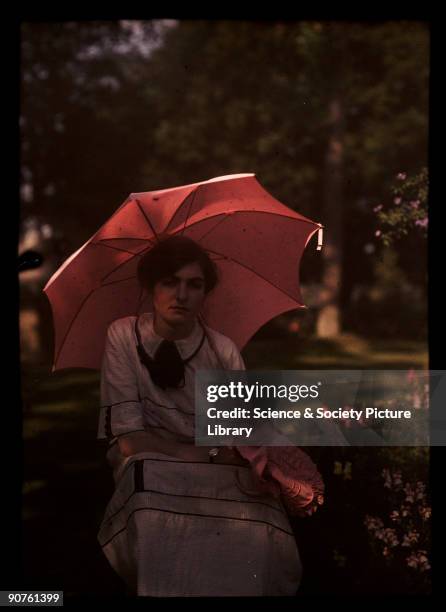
425, 512
418, 560
387, 478
410, 538
416, 401
411, 375
397, 479
378, 208
406, 541
397, 200
390, 537
378, 233
373, 523
420, 488
401, 176
422, 222
415, 203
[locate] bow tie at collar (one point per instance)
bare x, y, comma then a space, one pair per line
151, 340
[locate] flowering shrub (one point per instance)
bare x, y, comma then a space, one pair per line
408, 208
418, 393
404, 535
386, 508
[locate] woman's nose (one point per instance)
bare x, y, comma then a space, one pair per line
181, 292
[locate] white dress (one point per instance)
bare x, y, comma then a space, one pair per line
176, 527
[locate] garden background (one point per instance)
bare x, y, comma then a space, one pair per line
332, 117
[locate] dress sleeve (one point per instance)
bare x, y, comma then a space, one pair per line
121, 409
235, 359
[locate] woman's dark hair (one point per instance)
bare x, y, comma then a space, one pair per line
171, 254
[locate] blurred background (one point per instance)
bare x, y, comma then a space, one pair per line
332, 117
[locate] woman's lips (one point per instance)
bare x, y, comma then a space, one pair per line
180, 308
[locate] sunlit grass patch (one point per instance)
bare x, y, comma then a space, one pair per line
60, 380
347, 351
57, 407
34, 427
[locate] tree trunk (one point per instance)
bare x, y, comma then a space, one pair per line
329, 322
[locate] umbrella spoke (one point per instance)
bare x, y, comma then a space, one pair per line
226, 215
121, 280
109, 246
193, 194
121, 238
133, 255
256, 273
125, 262
138, 203
273, 213
195, 223
84, 301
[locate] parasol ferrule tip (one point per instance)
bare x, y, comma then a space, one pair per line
320, 236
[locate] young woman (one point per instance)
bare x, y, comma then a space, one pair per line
181, 521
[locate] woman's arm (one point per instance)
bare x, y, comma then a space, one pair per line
144, 441
121, 410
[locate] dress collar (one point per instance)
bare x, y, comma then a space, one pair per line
151, 340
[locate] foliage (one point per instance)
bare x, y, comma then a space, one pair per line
407, 210
80, 118
404, 534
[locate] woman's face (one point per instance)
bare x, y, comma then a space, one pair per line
177, 299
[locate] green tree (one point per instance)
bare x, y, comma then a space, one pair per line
81, 116
323, 113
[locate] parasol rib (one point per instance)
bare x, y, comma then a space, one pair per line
109, 246
125, 262
194, 193
147, 219
257, 274
225, 215
121, 238
82, 305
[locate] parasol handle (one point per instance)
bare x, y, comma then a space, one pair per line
320, 235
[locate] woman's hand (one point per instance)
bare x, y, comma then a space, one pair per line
143, 441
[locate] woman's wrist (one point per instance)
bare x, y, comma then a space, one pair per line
139, 442
144, 441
